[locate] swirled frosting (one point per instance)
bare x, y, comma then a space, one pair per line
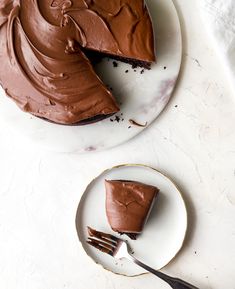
43, 67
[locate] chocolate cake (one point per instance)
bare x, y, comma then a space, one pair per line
128, 205
44, 65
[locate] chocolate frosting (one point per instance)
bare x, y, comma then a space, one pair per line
43, 68
128, 205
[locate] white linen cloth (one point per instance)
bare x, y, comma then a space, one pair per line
219, 17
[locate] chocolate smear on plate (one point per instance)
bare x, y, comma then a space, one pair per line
133, 122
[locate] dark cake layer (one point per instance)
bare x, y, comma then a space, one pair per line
83, 122
95, 57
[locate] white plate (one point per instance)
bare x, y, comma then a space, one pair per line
143, 96
163, 234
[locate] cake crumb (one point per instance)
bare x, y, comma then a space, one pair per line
115, 64
117, 118
134, 70
195, 252
142, 71
176, 105
127, 71
165, 67
129, 127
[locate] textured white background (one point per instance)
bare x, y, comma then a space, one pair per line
194, 143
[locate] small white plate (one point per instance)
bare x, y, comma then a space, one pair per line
163, 234
142, 97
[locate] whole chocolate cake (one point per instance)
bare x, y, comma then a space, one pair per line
128, 205
44, 68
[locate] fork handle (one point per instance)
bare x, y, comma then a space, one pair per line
175, 283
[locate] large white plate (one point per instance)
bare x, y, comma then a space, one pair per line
163, 234
142, 96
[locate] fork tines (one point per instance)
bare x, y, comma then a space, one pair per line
106, 243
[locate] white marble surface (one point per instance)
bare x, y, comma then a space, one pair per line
194, 143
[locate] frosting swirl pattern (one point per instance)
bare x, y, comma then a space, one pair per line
43, 66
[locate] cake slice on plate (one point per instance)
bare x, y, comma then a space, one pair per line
128, 205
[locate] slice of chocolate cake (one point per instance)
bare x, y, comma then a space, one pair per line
128, 205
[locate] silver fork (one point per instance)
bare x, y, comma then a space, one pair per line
119, 249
